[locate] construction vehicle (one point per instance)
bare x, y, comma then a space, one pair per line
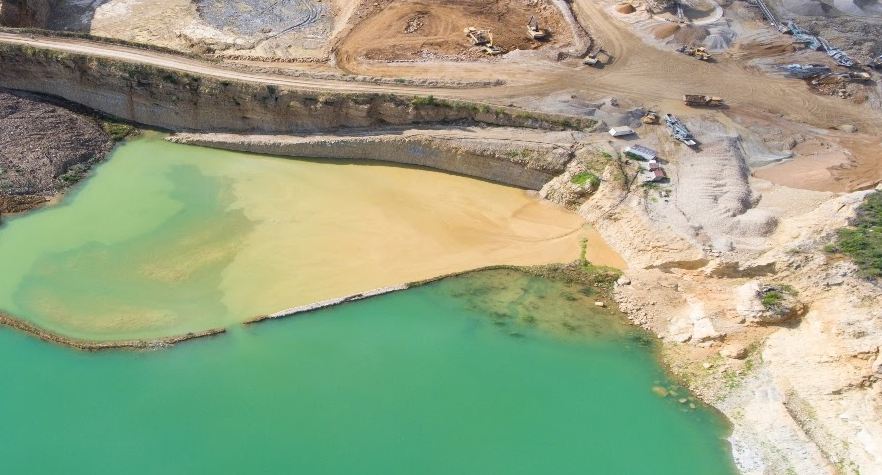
858, 76
806, 71
534, 31
679, 130
593, 58
700, 100
491, 49
698, 53
649, 118
478, 37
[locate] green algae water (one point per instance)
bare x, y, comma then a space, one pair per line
493, 372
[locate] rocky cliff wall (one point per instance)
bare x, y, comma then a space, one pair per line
26, 13
491, 160
176, 100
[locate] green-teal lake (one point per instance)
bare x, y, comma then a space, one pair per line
493, 372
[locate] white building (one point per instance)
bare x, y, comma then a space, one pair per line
621, 131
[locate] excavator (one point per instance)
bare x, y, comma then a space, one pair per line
534, 31
484, 39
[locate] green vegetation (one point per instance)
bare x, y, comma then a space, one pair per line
602, 277
862, 240
586, 178
118, 131
772, 299
424, 101
73, 174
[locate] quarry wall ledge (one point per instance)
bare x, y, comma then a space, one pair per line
511, 163
178, 100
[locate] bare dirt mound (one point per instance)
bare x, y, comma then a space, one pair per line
414, 29
690, 34
665, 31
43, 149
625, 8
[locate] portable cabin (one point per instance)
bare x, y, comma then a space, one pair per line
639, 152
621, 131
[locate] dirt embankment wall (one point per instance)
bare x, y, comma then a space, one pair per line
177, 100
26, 13
525, 167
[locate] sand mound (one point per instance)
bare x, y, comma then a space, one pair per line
625, 8
691, 34
665, 31
714, 194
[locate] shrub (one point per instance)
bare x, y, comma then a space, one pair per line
862, 240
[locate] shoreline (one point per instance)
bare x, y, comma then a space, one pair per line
544, 270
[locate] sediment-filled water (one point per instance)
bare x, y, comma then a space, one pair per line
494, 372
166, 239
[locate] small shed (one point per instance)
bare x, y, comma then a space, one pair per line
639, 152
621, 131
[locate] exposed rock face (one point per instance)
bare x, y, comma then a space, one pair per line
763, 304
43, 148
495, 160
174, 100
26, 13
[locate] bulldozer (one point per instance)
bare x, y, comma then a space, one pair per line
698, 52
700, 100
534, 31
484, 39
478, 37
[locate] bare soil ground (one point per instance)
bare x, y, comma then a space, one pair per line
44, 148
413, 30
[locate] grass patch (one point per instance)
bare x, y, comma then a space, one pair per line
598, 276
585, 178
772, 299
862, 240
118, 131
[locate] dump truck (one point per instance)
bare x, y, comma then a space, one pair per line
593, 58
534, 31
699, 52
701, 100
679, 131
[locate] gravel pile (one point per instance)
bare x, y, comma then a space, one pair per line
43, 149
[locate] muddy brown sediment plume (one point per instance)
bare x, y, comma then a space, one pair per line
44, 148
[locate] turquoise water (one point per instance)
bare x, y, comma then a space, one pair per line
496, 372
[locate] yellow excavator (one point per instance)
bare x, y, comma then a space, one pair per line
534, 31
484, 39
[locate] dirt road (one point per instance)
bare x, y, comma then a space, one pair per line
639, 74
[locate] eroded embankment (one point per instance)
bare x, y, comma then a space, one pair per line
509, 161
177, 100
92, 345
599, 278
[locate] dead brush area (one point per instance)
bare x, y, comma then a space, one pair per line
393, 30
